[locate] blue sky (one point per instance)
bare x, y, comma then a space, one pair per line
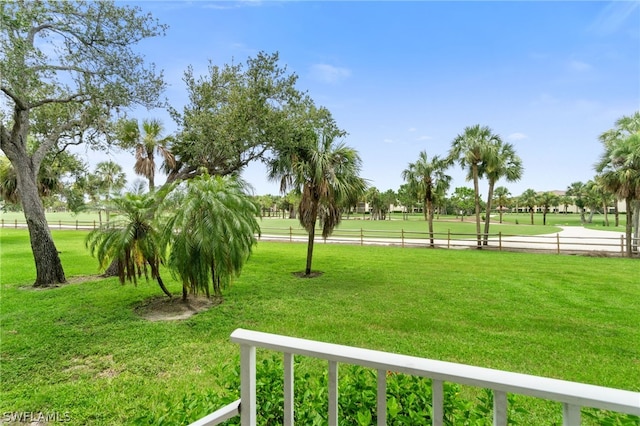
401, 77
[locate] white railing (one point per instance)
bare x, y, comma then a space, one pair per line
572, 395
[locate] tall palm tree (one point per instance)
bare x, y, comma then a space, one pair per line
146, 144
502, 195
326, 173
529, 198
428, 179
474, 149
619, 167
212, 232
130, 242
504, 163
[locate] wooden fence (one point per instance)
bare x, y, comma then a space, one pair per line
555, 243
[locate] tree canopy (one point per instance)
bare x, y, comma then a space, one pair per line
65, 69
236, 114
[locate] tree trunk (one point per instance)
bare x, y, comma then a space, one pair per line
636, 225
616, 213
312, 234
430, 220
606, 214
49, 269
487, 219
544, 217
476, 189
162, 286
531, 213
629, 227
155, 272
112, 270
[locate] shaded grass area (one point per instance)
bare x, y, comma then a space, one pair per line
82, 349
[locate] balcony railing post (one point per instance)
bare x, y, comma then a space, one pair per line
382, 397
248, 385
499, 408
570, 415
437, 402
288, 389
333, 393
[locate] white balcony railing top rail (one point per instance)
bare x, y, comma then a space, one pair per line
572, 395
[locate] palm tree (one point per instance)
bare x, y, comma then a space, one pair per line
146, 145
131, 242
326, 173
565, 201
111, 179
546, 200
502, 195
529, 198
427, 178
474, 149
504, 163
619, 167
578, 191
212, 232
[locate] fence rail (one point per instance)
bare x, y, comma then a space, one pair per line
406, 238
498, 241
571, 395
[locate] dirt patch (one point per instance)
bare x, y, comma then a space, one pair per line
80, 279
161, 308
313, 274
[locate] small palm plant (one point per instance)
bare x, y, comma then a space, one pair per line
211, 233
131, 241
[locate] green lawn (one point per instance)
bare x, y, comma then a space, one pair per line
82, 349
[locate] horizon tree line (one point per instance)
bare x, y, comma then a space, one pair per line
78, 93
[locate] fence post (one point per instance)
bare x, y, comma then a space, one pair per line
76, 224
94, 224
448, 238
622, 245
290, 234
16, 224
402, 237
361, 237
500, 241
3, 222
59, 224
558, 243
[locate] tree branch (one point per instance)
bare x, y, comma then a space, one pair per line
73, 98
19, 102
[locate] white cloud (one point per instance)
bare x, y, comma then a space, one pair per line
412, 129
423, 138
329, 74
388, 141
516, 136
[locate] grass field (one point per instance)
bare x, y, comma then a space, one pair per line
82, 348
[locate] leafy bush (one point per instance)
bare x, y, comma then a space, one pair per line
408, 400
